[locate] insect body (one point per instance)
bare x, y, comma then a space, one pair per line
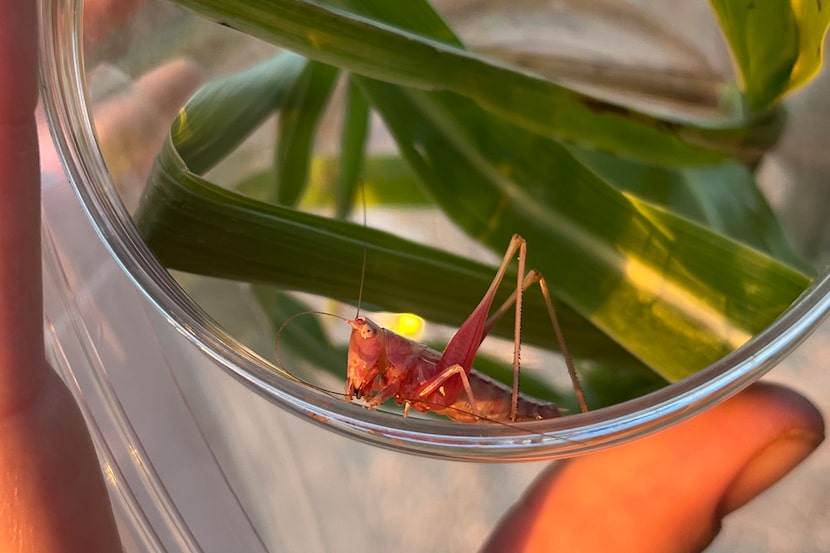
384, 365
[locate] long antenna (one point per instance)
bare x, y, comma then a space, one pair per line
365, 251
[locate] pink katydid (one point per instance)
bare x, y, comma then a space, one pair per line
383, 365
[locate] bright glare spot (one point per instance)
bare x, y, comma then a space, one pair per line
109, 473
183, 126
408, 325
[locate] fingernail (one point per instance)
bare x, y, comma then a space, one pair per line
770, 464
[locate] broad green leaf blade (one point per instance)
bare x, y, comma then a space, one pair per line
614, 258
223, 112
353, 146
612, 385
723, 198
763, 37
675, 294
380, 51
386, 180
813, 18
185, 222
300, 115
777, 44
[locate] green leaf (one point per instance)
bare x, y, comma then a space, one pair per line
194, 226
639, 272
763, 37
723, 198
611, 385
353, 145
813, 18
300, 115
380, 51
223, 112
675, 294
777, 44
386, 180
694, 295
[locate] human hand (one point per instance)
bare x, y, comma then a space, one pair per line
669, 491
52, 494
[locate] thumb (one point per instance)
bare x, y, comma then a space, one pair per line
666, 492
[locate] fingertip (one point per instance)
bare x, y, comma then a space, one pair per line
768, 466
667, 491
789, 408
797, 428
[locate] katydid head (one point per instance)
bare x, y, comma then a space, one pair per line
365, 328
365, 349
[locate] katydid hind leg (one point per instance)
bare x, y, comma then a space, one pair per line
532, 277
464, 344
563, 346
517, 327
462, 348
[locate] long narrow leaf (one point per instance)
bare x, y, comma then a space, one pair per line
194, 226
676, 294
385, 180
614, 258
381, 51
763, 37
813, 19
723, 198
353, 146
777, 44
210, 126
300, 115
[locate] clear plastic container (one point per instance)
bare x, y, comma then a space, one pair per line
190, 424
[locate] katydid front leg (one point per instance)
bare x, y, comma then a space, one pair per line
533, 277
